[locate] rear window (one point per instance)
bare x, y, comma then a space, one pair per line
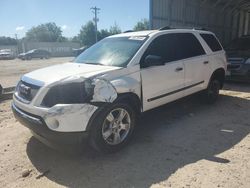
212, 42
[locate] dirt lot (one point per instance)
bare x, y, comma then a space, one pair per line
183, 144
12, 70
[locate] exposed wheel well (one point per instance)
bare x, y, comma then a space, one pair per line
219, 74
132, 99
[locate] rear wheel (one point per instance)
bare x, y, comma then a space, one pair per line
113, 128
211, 94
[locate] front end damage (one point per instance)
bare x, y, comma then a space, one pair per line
75, 117
68, 106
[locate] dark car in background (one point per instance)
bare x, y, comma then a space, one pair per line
35, 53
238, 53
78, 51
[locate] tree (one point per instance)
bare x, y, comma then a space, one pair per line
87, 34
142, 25
7, 41
48, 32
62, 39
75, 39
103, 33
115, 29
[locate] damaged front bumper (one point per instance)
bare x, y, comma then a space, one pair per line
61, 117
41, 131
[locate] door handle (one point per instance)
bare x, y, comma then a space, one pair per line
178, 69
205, 62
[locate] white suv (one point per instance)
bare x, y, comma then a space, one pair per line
100, 95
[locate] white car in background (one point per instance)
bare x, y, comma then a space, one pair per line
7, 54
101, 94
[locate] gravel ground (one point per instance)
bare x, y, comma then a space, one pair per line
12, 70
182, 144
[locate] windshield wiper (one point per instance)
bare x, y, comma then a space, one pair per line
90, 63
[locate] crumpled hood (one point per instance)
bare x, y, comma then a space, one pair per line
55, 73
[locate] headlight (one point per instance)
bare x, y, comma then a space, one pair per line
247, 61
70, 93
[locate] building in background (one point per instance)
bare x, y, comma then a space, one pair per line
228, 19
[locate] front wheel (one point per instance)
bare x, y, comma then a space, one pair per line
211, 94
112, 128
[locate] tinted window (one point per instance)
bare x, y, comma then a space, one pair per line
163, 46
212, 42
176, 46
188, 46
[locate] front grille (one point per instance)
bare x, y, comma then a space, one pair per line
233, 66
235, 60
235, 63
26, 90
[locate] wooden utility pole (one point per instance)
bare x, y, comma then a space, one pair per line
95, 11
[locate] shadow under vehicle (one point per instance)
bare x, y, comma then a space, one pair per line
168, 139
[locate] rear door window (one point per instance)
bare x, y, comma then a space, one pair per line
189, 46
212, 42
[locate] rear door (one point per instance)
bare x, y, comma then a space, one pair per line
196, 63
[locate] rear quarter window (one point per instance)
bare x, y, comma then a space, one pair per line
212, 42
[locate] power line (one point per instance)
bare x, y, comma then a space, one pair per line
95, 11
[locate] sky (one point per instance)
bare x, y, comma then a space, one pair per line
18, 16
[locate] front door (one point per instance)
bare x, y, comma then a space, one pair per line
162, 84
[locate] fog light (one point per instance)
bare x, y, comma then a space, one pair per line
53, 123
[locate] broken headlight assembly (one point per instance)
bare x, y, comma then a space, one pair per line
69, 93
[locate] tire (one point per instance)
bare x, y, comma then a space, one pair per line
1, 90
211, 94
108, 133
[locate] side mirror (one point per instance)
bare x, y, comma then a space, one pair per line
153, 60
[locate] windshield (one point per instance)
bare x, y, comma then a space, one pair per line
117, 51
240, 44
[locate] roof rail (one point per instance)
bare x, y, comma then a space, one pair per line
200, 28
128, 31
165, 28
